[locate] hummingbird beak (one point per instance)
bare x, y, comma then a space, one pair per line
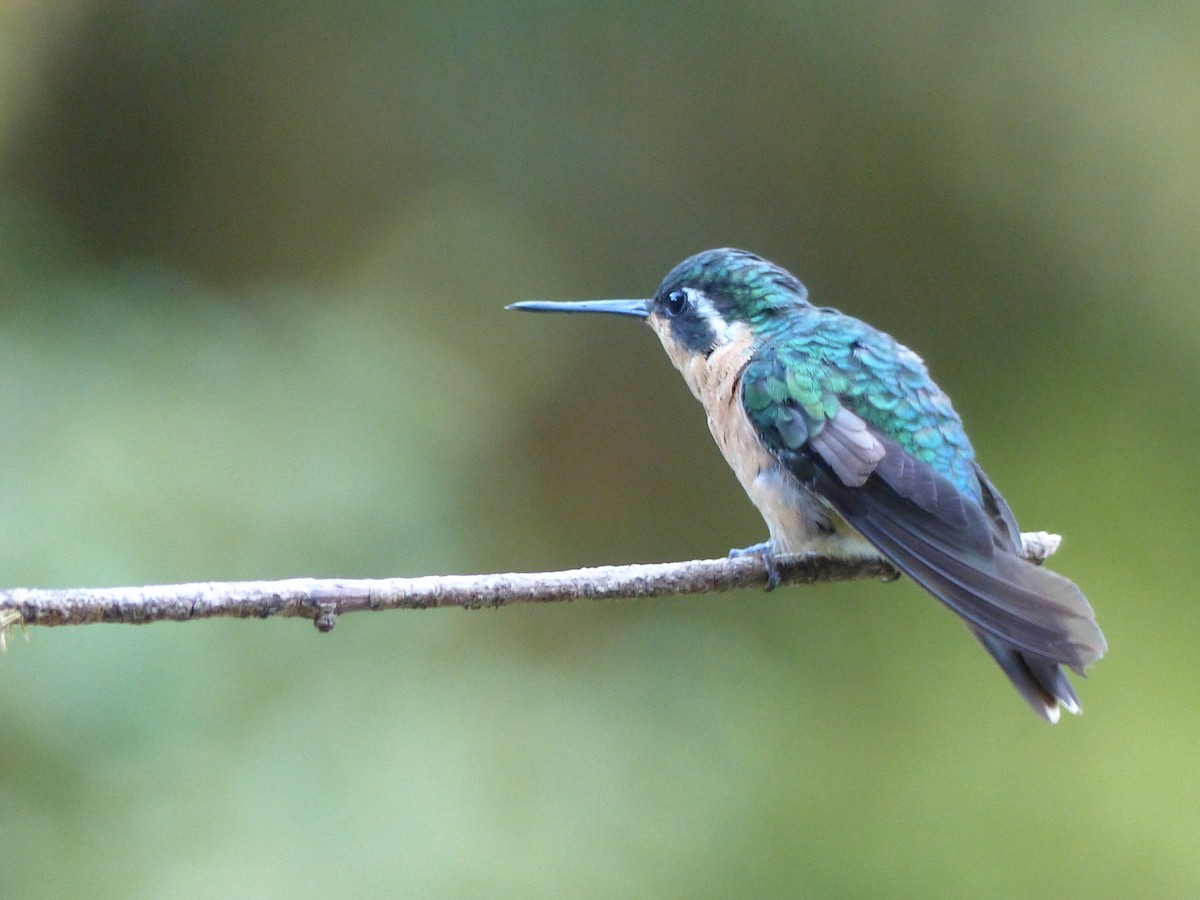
639, 308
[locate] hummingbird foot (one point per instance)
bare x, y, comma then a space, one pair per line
764, 552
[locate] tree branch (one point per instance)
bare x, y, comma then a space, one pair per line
323, 599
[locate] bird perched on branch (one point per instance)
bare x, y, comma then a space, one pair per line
848, 449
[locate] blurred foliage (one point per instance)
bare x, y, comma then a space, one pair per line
253, 259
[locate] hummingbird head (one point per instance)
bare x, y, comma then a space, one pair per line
706, 302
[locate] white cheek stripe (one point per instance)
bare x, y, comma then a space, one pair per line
720, 328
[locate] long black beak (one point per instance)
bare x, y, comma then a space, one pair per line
639, 308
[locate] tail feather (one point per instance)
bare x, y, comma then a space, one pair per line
1030, 620
1038, 679
1030, 608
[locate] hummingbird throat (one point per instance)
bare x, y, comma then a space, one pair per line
713, 376
716, 381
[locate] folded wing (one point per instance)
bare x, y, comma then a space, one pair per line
966, 554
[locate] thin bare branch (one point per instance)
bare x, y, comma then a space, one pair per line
324, 599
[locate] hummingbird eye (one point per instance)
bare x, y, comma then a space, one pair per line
675, 303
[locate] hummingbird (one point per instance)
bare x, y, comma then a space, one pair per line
849, 449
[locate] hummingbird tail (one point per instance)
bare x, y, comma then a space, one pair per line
1031, 620
1039, 680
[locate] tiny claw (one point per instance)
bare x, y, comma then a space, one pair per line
762, 551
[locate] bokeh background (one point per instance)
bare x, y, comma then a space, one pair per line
253, 259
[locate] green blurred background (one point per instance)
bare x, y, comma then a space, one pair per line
253, 259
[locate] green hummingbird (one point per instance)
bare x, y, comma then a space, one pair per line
848, 449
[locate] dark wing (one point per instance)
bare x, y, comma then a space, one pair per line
947, 543
966, 554
1008, 535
